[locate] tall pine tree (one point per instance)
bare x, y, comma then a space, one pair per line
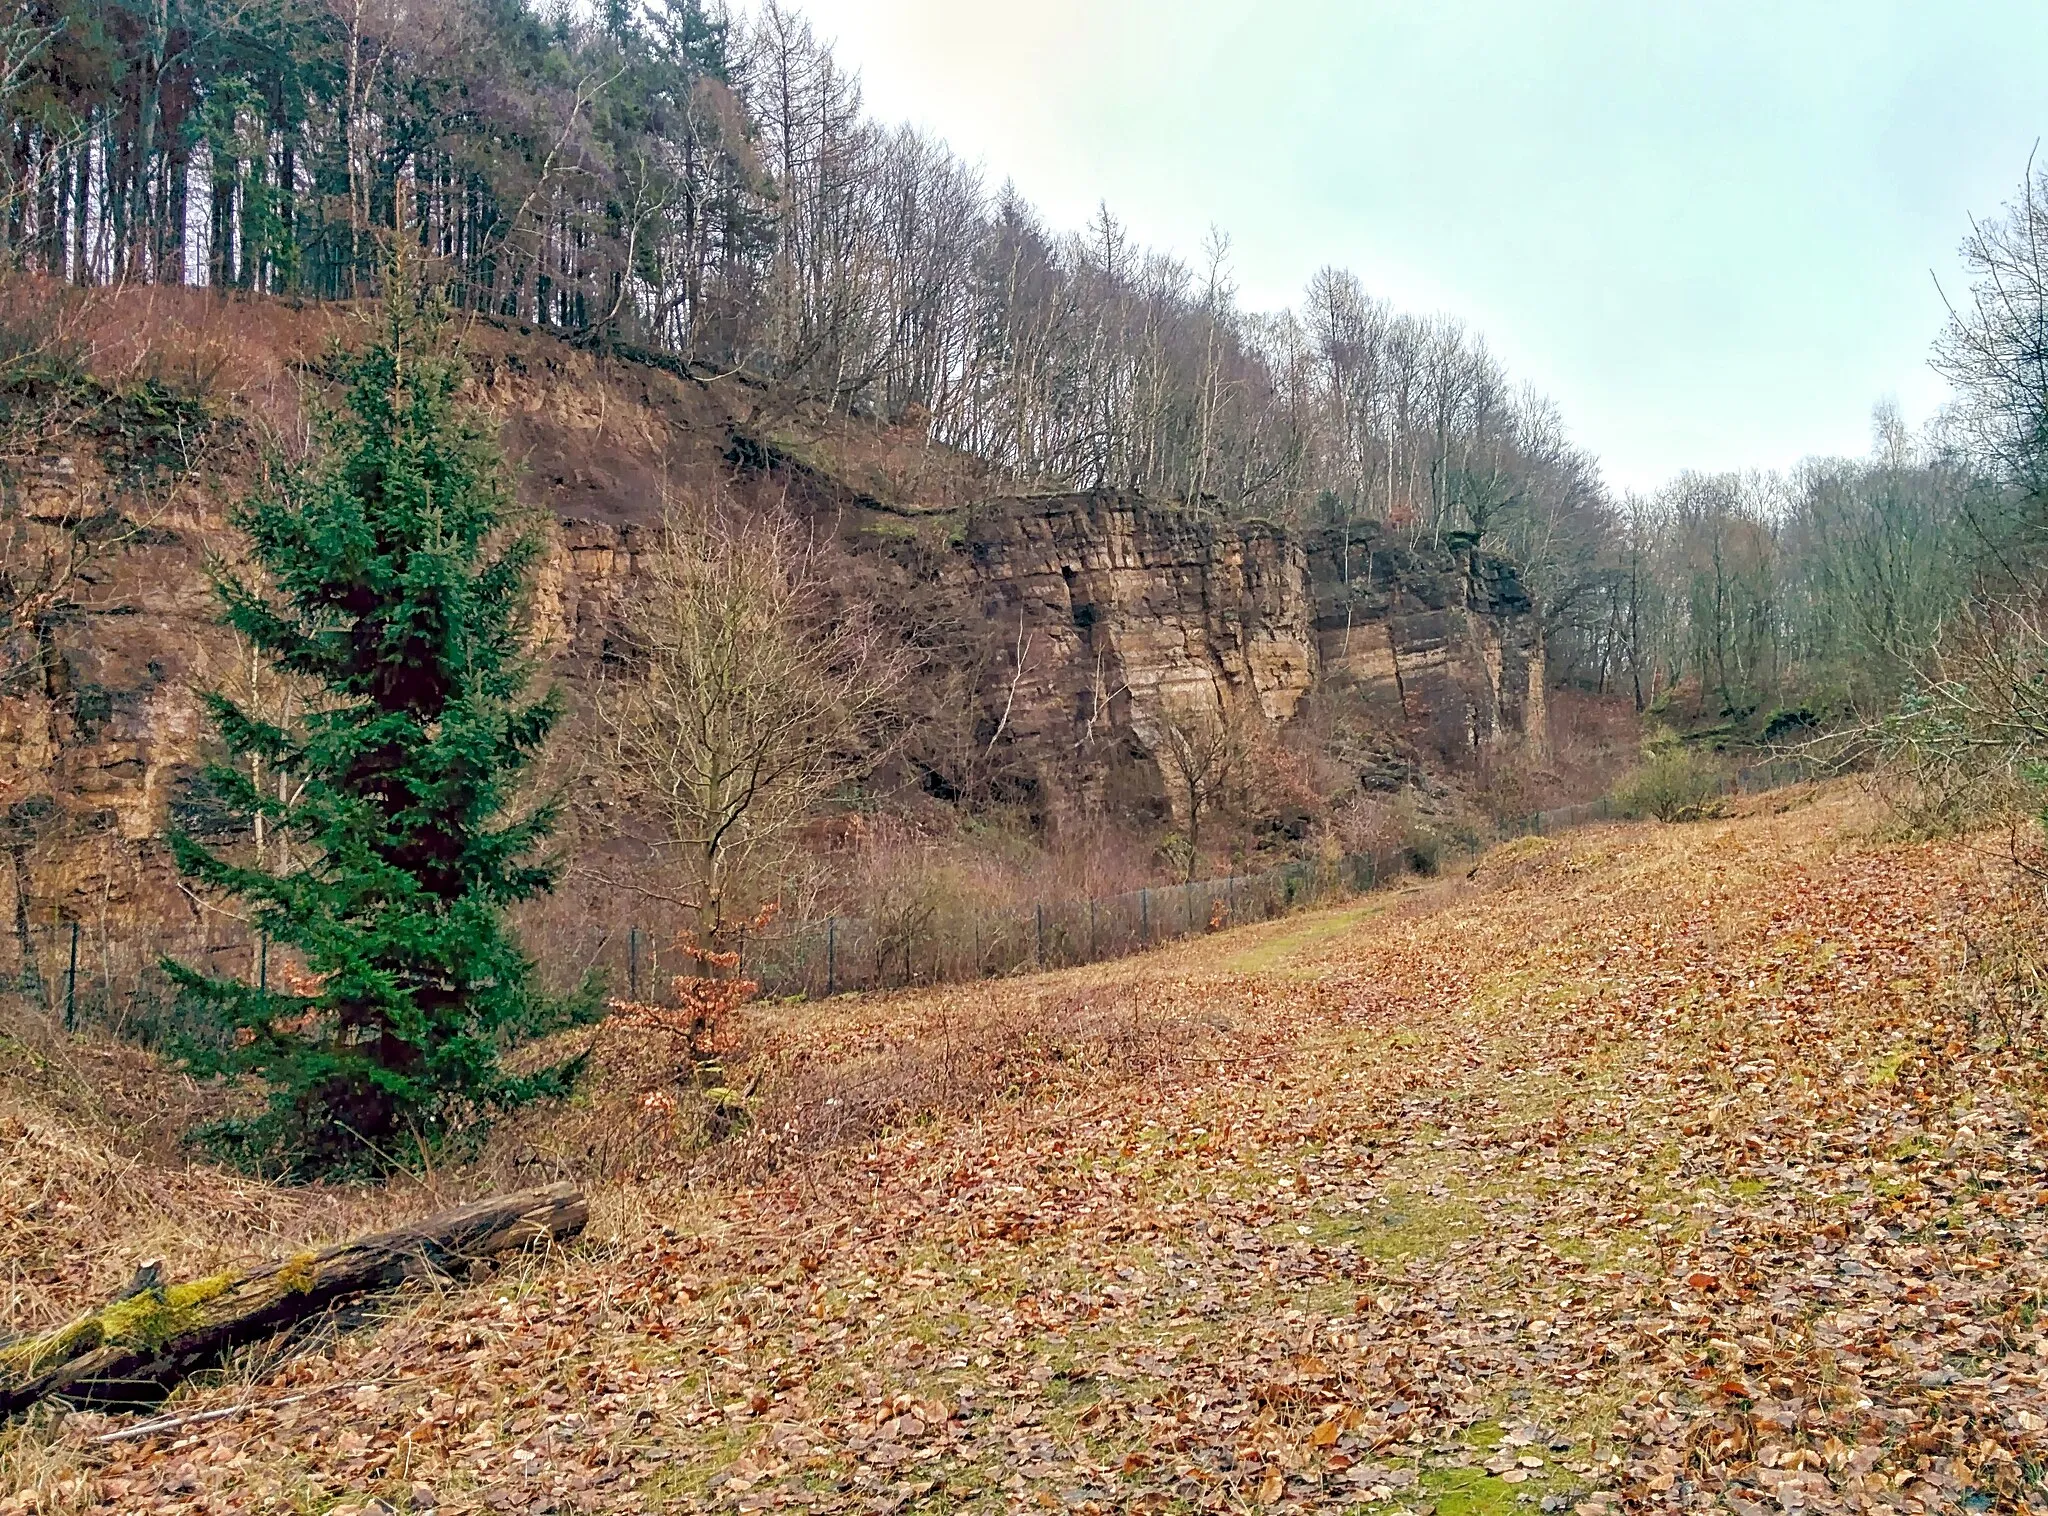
386, 587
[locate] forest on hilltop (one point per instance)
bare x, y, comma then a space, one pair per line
697, 184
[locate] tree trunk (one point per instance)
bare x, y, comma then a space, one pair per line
136, 1348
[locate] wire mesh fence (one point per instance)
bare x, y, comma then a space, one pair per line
106, 978
91, 975
937, 946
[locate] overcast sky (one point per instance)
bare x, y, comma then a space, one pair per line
1709, 229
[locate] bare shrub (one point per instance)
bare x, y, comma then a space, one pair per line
1588, 744
1968, 745
1593, 741
942, 900
2000, 992
1510, 786
1388, 827
1367, 824
1203, 752
924, 896
1676, 783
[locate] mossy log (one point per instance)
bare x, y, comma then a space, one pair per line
134, 1349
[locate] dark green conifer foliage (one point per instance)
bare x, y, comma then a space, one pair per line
388, 587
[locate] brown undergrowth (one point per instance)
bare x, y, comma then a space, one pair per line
1653, 1168
818, 1078
93, 1181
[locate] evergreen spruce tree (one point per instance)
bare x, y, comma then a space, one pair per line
388, 590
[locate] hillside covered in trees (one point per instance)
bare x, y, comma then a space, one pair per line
703, 187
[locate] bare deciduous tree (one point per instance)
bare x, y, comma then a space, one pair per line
1201, 751
703, 180
754, 695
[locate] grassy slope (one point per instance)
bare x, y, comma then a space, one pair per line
1652, 1163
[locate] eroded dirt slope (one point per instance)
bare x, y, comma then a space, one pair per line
1654, 1167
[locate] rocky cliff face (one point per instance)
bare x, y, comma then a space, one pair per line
1126, 614
1122, 614
104, 536
1441, 633
1103, 617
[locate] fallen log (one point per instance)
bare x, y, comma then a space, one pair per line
134, 1349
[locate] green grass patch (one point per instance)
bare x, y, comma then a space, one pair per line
683, 1483
1300, 937
1410, 1226
1472, 1492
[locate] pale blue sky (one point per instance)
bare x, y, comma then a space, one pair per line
1709, 230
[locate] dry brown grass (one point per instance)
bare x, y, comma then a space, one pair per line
893, 1065
92, 1180
610, 427
823, 1077
996, 1154
201, 344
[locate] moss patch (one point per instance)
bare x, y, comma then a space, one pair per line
153, 1318
146, 1321
67, 1342
296, 1273
1324, 927
1412, 1227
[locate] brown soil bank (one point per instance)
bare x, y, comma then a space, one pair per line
130, 421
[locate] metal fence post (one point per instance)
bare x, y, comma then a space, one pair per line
633, 963
1145, 916
1040, 909
71, 985
831, 955
1093, 951
263, 964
